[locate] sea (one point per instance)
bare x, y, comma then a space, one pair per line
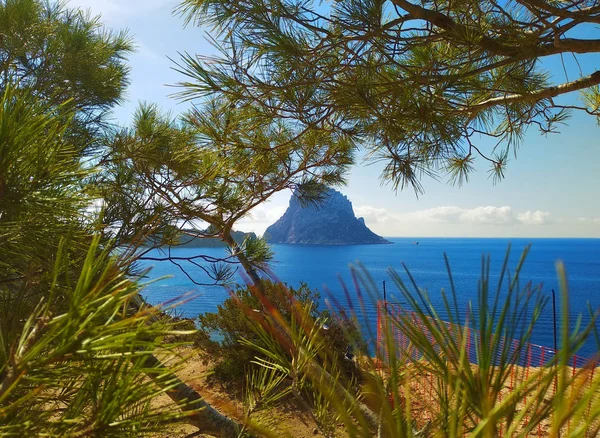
354, 277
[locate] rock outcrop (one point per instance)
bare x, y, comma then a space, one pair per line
332, 222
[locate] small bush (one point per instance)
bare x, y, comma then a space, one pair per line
220, 332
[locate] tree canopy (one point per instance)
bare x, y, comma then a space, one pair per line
208, 171
75, 333
64, 56
424, 86
77, 344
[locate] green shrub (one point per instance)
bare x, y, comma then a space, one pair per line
220, 332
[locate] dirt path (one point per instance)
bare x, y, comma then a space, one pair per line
285, 420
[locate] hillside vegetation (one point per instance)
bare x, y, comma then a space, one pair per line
82, 354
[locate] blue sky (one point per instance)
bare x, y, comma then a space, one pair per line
551, 188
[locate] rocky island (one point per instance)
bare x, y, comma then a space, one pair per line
331, 222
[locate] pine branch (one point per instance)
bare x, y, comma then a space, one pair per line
545, 93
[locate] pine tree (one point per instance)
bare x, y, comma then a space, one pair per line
77, 344
427, 87
209, 170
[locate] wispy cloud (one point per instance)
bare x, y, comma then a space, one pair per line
594, 220
488, 215
260, 218
145, 52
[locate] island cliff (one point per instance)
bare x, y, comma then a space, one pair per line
331, 222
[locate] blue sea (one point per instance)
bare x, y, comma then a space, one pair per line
327, 268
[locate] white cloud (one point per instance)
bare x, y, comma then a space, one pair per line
479, 215
594, 220
95, 206
537, 217
447, 213
488, 215
372, 214
485, 215
260, 218
266, 213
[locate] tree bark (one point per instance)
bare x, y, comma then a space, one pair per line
444, 22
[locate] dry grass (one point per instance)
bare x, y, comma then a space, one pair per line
287, 419
424, 403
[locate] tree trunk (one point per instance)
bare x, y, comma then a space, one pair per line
314, 370
206, 418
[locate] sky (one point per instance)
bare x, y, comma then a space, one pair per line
551, 188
